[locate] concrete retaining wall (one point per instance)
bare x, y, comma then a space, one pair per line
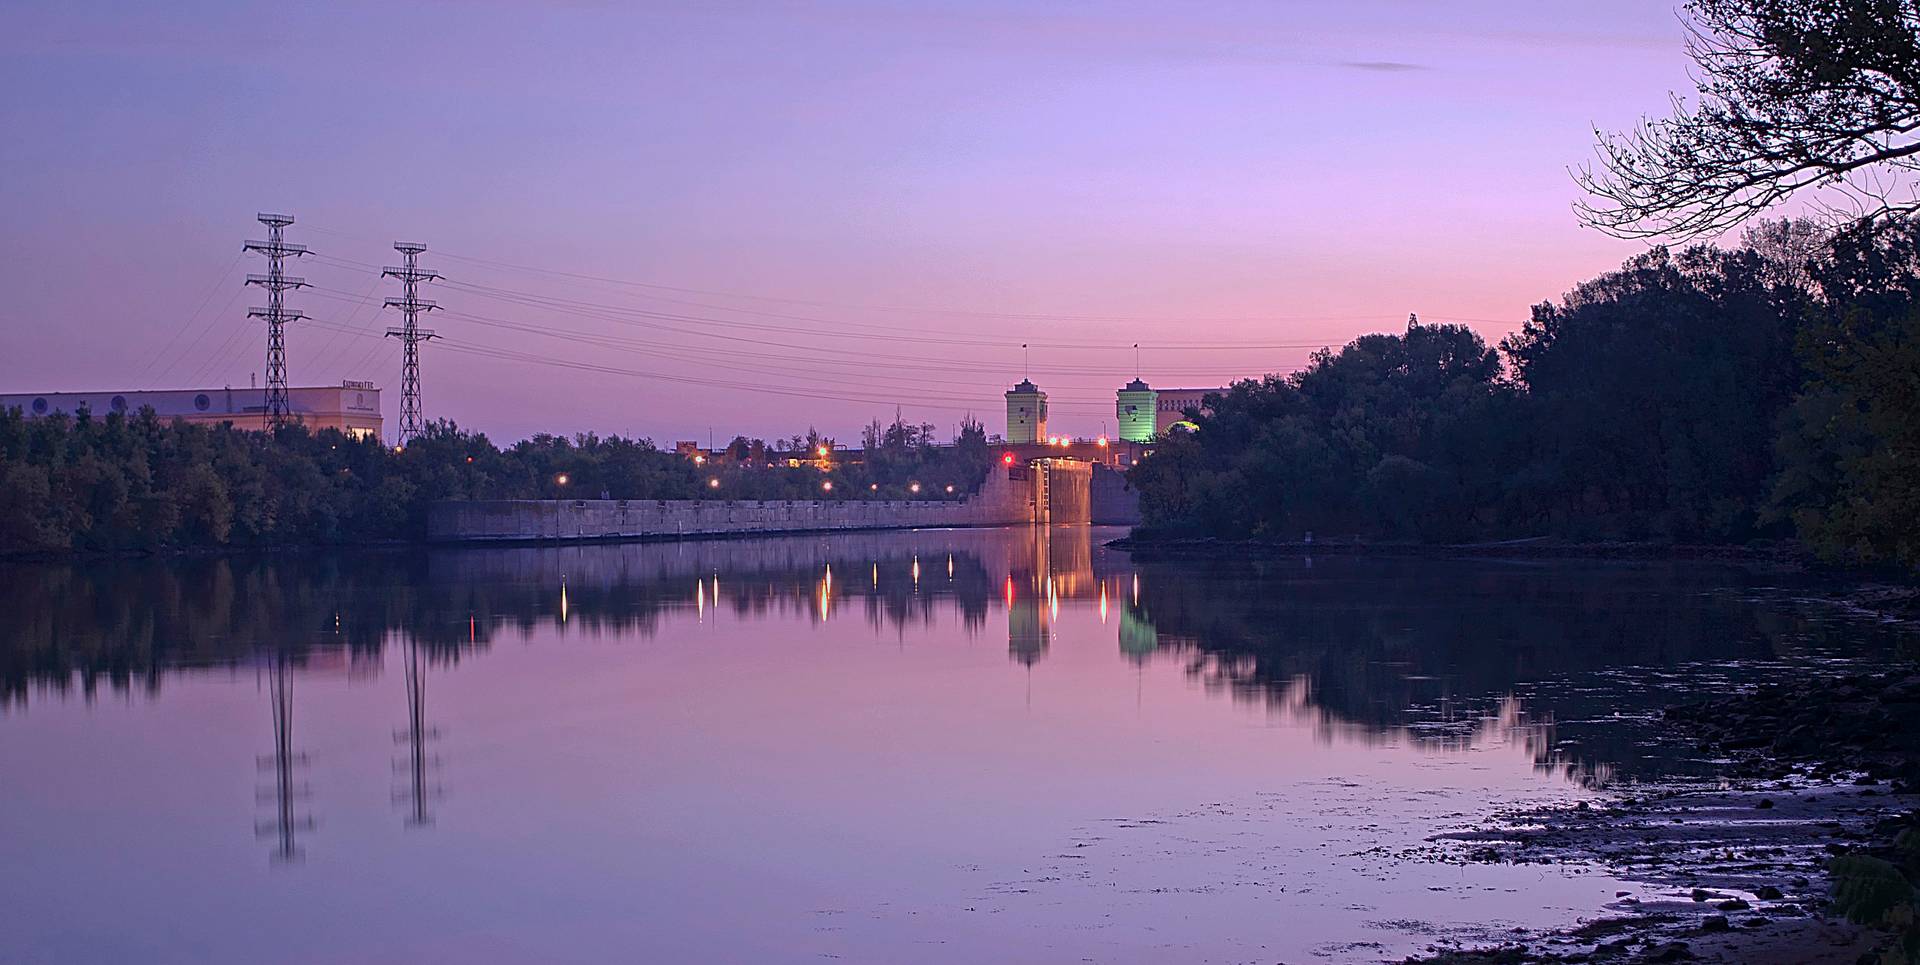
1002, 500
1111, 501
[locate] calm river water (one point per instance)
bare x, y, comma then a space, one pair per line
940, 746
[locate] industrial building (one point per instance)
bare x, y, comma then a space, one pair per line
351, 407
1171, 405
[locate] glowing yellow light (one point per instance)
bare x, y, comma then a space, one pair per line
561, 479
1136, 589
823, 452
713, 483
949, 487
1102, 441
699, 460
916, 571
1103, 601
827, 486
914, 488
699, 599
874, 486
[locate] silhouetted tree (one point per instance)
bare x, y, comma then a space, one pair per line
1820, 97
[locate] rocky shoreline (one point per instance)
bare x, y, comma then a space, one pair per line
1808, 853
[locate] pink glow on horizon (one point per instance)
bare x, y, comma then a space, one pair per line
821, 179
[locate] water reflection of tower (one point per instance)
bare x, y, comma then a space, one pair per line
422, 769
1029, 596
1026, 625
1138, 638
286, 823
1138, 641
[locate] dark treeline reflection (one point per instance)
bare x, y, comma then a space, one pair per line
1438, 650
1441, 653
125, 623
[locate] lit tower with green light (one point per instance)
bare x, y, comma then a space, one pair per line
1135, 411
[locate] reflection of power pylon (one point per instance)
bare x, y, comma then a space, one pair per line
286, 822
421, 767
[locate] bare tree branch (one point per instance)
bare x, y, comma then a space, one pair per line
1819, 98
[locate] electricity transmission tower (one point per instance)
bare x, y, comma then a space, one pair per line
276, 281
410, 333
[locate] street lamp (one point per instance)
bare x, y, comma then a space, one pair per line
915, 487
561, 479
822, 451
713, 483
827, 486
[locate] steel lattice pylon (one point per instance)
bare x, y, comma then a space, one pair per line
276, 281
410, 333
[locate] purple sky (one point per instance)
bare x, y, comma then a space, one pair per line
842, 206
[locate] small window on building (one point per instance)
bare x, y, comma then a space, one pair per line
39, 407
119, 403
201, 402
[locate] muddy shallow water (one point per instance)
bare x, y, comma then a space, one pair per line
950, 746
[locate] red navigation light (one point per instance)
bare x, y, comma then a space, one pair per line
1007, 458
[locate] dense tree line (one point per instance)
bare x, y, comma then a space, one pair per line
1706, 395
138, 482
